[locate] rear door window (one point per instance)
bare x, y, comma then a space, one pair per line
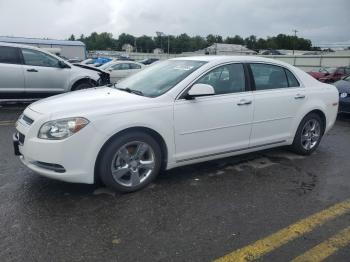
340, 70
123, 66
268, 76
292, 81
9, 55
134, 66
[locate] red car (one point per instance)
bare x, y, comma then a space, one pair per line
330, 74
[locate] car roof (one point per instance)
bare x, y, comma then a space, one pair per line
212, 58
216, 60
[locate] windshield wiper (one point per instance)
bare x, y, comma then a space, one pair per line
137, 92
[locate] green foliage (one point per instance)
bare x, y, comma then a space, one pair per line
71, 38
186, 43
237, 40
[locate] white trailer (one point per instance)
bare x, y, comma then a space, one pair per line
66, 48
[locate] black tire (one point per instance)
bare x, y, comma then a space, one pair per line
297, 145
107, 157
82, 85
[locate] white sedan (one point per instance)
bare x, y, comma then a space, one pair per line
121, 69
177, 112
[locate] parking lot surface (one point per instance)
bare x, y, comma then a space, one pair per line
271, 206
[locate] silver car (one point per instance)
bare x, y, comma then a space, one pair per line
29, 72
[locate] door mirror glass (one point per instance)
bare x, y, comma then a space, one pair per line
201, 90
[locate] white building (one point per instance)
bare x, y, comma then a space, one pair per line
158, 51
66, 48
127, 48
228, 49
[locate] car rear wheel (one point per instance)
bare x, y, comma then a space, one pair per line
308, 135
130, 162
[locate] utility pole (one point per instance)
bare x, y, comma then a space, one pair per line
161, 34
295, 37
168, 44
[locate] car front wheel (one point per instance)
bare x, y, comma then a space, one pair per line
130, 162
83, 85
308, 135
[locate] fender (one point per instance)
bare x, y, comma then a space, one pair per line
119, 122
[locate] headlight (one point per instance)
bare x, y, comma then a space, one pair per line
62, 128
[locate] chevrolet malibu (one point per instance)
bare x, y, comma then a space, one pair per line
174, 113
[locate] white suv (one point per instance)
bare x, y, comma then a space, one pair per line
26, 71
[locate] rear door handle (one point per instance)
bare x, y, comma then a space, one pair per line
32, 70
243, 102
299, 96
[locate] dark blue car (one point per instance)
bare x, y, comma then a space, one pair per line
343, 87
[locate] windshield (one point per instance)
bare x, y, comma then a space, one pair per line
161, 77
328, 70
106, 65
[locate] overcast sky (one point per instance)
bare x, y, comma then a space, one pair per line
322, 21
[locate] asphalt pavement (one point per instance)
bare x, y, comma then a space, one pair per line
200, 212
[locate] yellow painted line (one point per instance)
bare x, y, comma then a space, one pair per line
326, 248
283, 236
7, 123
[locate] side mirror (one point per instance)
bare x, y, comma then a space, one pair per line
61, 64
200, 90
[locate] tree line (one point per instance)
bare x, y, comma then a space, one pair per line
185, 43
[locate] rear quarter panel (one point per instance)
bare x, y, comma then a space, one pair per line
321, 97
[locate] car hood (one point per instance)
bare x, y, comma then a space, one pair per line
343, 86
91, 68
316, 74
93, 101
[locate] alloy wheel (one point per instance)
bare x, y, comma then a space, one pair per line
133, 163
310, 134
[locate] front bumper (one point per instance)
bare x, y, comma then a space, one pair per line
344, 105
71, 160
15, 140
104, 79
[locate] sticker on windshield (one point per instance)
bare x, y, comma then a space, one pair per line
343, 95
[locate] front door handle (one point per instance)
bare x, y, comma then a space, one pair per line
299, 96
32, 70
244, 102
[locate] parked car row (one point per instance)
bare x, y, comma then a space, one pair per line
121, 69
99, 61
340, 77
343, 87
330, 74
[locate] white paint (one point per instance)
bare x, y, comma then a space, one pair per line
196, 130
